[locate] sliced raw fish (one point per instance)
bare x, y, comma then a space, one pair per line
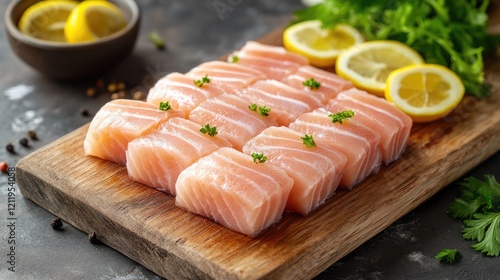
275, 62
359, 143
120, 121
157, 158
316, 170
230, 188
330, 84
181, 92
232, 117
227, 76
286, 102
389, 122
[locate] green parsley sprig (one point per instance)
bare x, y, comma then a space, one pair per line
452, 33
311, 83
259, 157
164, 106
479, 208
202, 81
234, 59
308, 140
263, 110
340, 117
449, 255
207, 129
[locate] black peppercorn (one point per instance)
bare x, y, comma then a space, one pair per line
84, 112
93, 238
32, 135
10, 148
56, 223
23, 142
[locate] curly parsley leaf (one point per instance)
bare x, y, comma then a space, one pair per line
449, 255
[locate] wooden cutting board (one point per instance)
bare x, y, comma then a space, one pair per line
145, 225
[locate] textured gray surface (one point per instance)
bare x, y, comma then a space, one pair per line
194, 33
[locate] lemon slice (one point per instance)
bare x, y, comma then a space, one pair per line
46, 19
425, 92
368, 65
92, 20
321, 46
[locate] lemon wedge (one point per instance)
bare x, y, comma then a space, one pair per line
368, 65
321, 46
93, 19
46, 20
425, 92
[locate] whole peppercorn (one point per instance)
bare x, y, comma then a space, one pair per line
56, 223
24, 142
84, 112
121, 86
91, 92
93, 238
112, 87
32, 135
10, 148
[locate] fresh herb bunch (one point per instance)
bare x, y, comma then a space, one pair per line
452, 33
479, 207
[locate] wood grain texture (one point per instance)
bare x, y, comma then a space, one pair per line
144, 224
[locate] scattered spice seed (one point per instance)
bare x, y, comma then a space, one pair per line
84, 112
24, 142
122, 94
4, 167
121, 86
32, 135
112, 87
138, 95
93, 238
56, 223
100, 83
91, 92
10, 148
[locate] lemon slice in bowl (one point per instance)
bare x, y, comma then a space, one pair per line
93, 19
46, 20
425, 92
321, 46
368, 65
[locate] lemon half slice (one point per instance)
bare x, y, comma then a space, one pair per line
368, 65
321, 46
46, 19
93, 19
425, 92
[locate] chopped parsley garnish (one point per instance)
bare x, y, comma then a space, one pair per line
308, 141
311, 83
211, 131
202, 81
164, 106
340, 117
449, 255
259, 158
235, 59
155, 38
263, 110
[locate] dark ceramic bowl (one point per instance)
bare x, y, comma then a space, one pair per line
72, 61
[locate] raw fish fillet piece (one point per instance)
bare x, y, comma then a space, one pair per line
120, 121
331, 84
359, 143
389, 122
232, 118
227, 76
228, 187
275, 62
157, 158
316, 171
181, 92
286, 102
